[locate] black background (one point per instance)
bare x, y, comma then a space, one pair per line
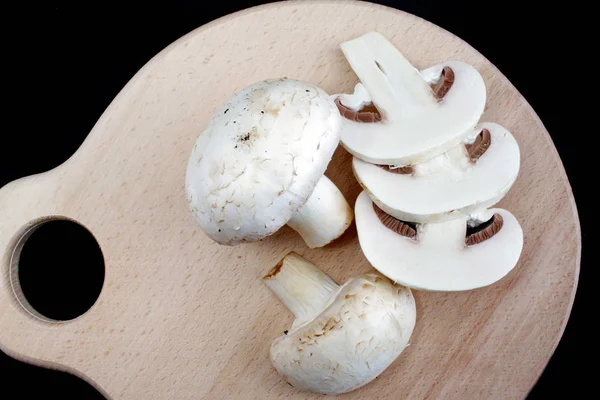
66, 63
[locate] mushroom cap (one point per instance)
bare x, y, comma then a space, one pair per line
444, 262
358, 335
451, 190
259, 159
409, 134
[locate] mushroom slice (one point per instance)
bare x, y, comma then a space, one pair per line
259, 165
421, 113
468, 177
344, 336
461, 254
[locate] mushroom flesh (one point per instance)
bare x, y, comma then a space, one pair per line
460, 254
414, 115
466, 178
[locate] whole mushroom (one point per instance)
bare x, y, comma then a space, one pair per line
344, 336
456, 183
401, 116
260, 162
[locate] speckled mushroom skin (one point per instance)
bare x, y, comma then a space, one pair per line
362, 331
259, 158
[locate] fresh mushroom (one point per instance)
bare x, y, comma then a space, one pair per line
413, 116
460, 254
466, 178
344, 336
259, 165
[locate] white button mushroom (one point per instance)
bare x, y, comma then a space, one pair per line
343, 336
414, 115
460, 254
456, 183
259, 165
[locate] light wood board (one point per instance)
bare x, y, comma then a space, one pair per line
180, 317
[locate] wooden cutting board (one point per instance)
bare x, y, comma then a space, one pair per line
180, 317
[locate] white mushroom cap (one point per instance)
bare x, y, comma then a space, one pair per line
415, 125
344, 336
260, 158
447, 186
438, 258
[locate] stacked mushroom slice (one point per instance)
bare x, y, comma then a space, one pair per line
460, 254
429, 171
398, 115
460, 181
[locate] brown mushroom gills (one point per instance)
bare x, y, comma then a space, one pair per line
368, 113
443, 85
402, 228
474, 235
480, 145
484, 231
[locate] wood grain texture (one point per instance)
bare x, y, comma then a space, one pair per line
180, 317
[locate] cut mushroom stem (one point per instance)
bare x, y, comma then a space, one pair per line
394, 84
301, 286
324, 217
458, 158
449, 235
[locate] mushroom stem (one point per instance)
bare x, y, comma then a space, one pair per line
301, 286
443, 235
456, 160
395, 85
324, 217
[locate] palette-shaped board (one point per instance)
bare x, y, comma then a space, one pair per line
181, 317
